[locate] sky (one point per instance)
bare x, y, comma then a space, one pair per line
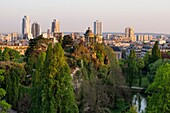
145, 16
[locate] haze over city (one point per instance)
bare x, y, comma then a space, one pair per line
76, 15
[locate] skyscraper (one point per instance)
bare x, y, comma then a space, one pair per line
35, 29
26, 27
55, 26
98, 28
129, 33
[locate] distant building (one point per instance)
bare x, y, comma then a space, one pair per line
48, 33
55, 26
129, 33
35, 30
118, 52
98, 28
26, 31
14, 36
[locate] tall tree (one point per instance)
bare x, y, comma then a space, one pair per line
159, 90
36, 88
3, 104
56, 88
156, 54
140, 66
36, 46
132, 70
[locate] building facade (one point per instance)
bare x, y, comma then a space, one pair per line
35, 30
129, 33
26, 31
55, 26
98, 28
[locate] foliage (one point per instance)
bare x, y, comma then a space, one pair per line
154, 66
132, 69
56, 91
99, 87
159, 90
132, 110
10, 55
14, 76
36, 79
156, 54
3, 104
36, 46
67, 41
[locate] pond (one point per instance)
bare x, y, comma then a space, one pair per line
140, 101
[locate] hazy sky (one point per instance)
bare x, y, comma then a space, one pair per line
77, 15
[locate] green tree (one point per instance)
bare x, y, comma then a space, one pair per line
132, 69
36, 46
156, 54
140, 65
36, 88
5, 55
146, 59
10, 54
3, 104
159, 90
154, 66
12, 80
57, 90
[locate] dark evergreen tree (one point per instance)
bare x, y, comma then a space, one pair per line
36, 87
132, 69
156, 54
56, 88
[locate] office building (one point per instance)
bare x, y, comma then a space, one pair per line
26, 31
35, 30
98, 28
25, 25
129, 33
55, 26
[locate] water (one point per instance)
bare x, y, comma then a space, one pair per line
140, 102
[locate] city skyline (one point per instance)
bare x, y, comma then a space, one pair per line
75, 16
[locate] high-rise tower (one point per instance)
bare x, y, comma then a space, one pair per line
98, 28
129, 33
26, 31
25, 25
35, 29
55, 26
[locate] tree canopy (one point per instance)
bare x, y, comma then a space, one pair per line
159, 90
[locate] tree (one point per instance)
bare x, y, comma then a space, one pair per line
156, 54
36, 46
154, 66
140, 66
10, 54
146, 59
5, 55
56, 88
67, 41
159, 90
132, 69
3, 104
35, 89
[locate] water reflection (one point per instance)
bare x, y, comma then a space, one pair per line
140, 102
